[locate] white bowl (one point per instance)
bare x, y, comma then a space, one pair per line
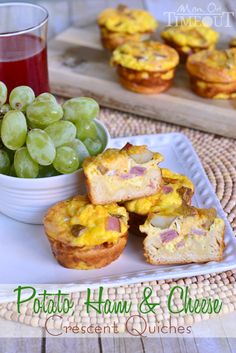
27, 200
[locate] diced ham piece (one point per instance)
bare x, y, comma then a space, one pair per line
197, 231
113, 224
137, 171
180, 244
126, 176
168, 235
167, 189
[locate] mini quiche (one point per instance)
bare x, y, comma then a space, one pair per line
145, 67
84, 236
193, 236
122, 24
121, 175
175, 191
213, 73
190, 36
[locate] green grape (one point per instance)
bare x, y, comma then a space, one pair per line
40, 147
80, 149
41, 114
4, 109
94, 146
48, 171
66, 160
85, 130
3, 93
101, 135
25, 166
14, 130
80, 109
1, 143
4, 162
10, 153
61, 132
46, 97
20, 97
12, 171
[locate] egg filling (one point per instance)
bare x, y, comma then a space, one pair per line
145, 56
175, 190
77, 222
125, 20
190, 35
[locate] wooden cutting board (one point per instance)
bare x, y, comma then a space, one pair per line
78, 65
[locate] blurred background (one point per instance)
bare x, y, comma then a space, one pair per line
64, 13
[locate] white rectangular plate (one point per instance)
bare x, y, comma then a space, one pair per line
26, 256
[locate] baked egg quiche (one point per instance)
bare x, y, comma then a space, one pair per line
120, 175
85, 236
175, 191
145, 67
190, 36
122, 24
191, 236
213, 73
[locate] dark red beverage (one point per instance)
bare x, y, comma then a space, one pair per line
23, 61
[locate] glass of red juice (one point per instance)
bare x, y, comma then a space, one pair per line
23, 46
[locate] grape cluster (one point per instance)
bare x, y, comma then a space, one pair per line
40, 138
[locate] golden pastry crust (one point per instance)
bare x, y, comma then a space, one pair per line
87, 258
145, 86
189, 36
216, 66
213, 90
81, 234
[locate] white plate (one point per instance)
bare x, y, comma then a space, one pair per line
26, 256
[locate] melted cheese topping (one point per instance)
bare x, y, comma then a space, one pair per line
213, 65
92, 219
145, 56
190, 33
161, 202
125, 20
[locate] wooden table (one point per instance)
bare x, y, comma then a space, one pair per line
81, 12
